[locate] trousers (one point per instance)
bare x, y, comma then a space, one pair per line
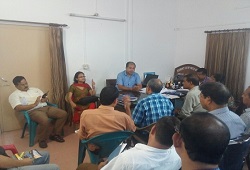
42, 115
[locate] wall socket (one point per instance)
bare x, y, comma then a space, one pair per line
85, 67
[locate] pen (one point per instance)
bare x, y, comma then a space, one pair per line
21, 155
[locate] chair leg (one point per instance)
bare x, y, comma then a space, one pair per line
247, 160
24, 128
32, 130
81, 152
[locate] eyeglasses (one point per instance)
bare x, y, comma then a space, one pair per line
176, 129
81, 76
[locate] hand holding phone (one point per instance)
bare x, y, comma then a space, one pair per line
45, 95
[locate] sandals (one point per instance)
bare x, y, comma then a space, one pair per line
57, 138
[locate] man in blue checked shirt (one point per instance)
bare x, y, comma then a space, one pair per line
153, 107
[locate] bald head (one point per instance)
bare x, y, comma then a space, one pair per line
155, 85
205, 137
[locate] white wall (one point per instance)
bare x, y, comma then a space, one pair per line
196, 16
147, 37
158, 34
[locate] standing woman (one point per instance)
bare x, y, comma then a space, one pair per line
81, 96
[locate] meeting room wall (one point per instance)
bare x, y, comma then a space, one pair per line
194, 17
147, 37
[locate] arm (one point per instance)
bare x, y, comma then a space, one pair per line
73, 105
138, 114
127, 104
187, 107
82, 133
28, 107
92, 91
138, 85
7, 162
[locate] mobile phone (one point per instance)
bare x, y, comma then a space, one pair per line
45, 94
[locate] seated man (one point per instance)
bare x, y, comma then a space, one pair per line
192, 101
29, 99
129, 79
151, 108
201, 141
246, 115
214, 97
104, 119
42, 163
202, 76
157, 154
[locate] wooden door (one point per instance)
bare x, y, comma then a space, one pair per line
24, 51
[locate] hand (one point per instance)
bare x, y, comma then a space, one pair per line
73, 105
93, 84
102, 164
126, 101
176, 111
44, 99
135, 88
38, 99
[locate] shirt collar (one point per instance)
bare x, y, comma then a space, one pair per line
106, 107
127, 74
220, 110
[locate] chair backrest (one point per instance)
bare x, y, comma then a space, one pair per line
234, 156
141, 134
107, 143
10, 147
110, 82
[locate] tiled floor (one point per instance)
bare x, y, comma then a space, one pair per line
65, 154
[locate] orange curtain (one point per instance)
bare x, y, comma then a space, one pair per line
227, 53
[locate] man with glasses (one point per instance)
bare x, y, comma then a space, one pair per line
214, 98
201, 141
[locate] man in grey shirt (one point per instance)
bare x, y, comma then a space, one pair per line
192, 101
246, 115
214, 98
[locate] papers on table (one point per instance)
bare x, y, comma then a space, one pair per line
163, 92
170, 96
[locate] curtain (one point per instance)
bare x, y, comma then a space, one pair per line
58, 67
227, 53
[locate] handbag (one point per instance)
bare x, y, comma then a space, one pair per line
86, 100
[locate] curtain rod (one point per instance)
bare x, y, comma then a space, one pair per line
96, 16
228, 30
35, 23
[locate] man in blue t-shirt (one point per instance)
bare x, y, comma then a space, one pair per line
129, 79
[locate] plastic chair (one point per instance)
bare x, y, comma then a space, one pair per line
235, 154
141, 134
107, 143
32, 126
10, 147
111, 82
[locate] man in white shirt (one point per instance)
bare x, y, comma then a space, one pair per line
30, 99
158, 154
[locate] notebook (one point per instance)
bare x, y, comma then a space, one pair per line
149, 77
